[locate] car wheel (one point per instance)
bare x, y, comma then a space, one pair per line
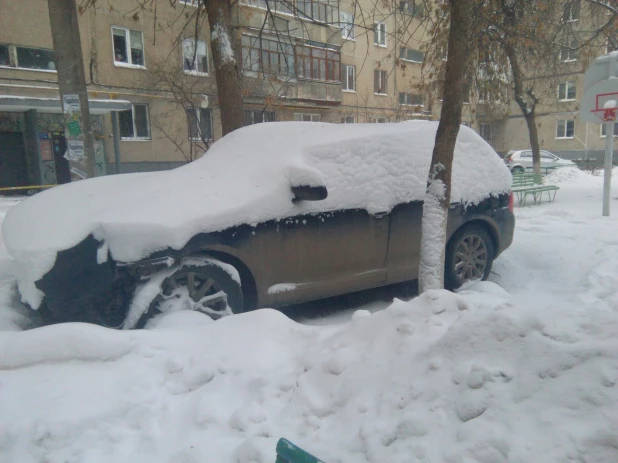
203, 286
517, 170
469, 256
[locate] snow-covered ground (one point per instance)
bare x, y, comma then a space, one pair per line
522, 369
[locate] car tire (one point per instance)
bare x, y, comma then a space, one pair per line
517, 170
210, 279
463, 253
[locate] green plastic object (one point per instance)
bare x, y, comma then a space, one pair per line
287, 452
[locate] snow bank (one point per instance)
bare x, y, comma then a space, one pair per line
443, 378
244, 178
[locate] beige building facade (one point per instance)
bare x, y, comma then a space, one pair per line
151, 85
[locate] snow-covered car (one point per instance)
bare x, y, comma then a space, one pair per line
273, 214
521, 160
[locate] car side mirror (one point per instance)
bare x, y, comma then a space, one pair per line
309, 193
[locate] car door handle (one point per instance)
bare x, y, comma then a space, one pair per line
379, 215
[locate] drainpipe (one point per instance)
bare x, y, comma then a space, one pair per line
116, 135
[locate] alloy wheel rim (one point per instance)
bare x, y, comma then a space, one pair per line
192, 290
471, 258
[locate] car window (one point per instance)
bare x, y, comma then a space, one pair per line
546, 155
526, 154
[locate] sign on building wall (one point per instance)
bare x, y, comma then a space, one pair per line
75, 143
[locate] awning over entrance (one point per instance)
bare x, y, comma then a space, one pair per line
12, 103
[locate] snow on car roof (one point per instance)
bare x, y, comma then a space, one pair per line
245, 178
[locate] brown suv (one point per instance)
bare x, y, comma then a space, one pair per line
367, 234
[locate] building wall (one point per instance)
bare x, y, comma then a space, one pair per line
150, 84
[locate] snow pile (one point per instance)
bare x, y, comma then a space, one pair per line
444, 378
245, 178
569, 175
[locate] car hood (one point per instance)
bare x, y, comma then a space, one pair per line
245, 178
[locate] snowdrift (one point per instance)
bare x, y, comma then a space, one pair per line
245, 178
443, 378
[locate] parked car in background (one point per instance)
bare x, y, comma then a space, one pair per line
521, 160
272, 215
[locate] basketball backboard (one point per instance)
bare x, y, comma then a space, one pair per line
600, 90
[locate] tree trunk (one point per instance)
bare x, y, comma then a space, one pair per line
534, 141
438, 194
227, 72
72, 85
526, 101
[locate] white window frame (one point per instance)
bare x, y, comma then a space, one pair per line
298, 117
13, 52
566, 122
485, 125
381, 120
571, 19
379, 34
195, 72
130, 65
345, 120
189, 2
135, 137
344, 85
384, 87
602, 129
567, 85
410, 60
570, 50
197, 112
347, 25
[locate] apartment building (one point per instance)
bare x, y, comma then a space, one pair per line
151, 85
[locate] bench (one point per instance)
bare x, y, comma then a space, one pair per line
532, 184
290, 453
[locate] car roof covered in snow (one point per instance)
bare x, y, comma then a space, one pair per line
245, 178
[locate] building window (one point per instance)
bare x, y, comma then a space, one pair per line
35, 58
566, 91
347, 25
380, 79
317, 63
603, 130
486, 132
466, 93
381, 120
565, 128
27, 57
348, 120
318, 11
570, 52
572, 10
5, 56
348, 78
379, 34
307, 117
189, 2
135, 123
274, 5
267, 56
255, 117
410, 99
128, 47
611, 44
408, 54
199, 121
195, 56
411, 7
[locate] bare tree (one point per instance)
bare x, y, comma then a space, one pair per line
438, 194
527, 45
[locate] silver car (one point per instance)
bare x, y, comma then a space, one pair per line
521, 160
